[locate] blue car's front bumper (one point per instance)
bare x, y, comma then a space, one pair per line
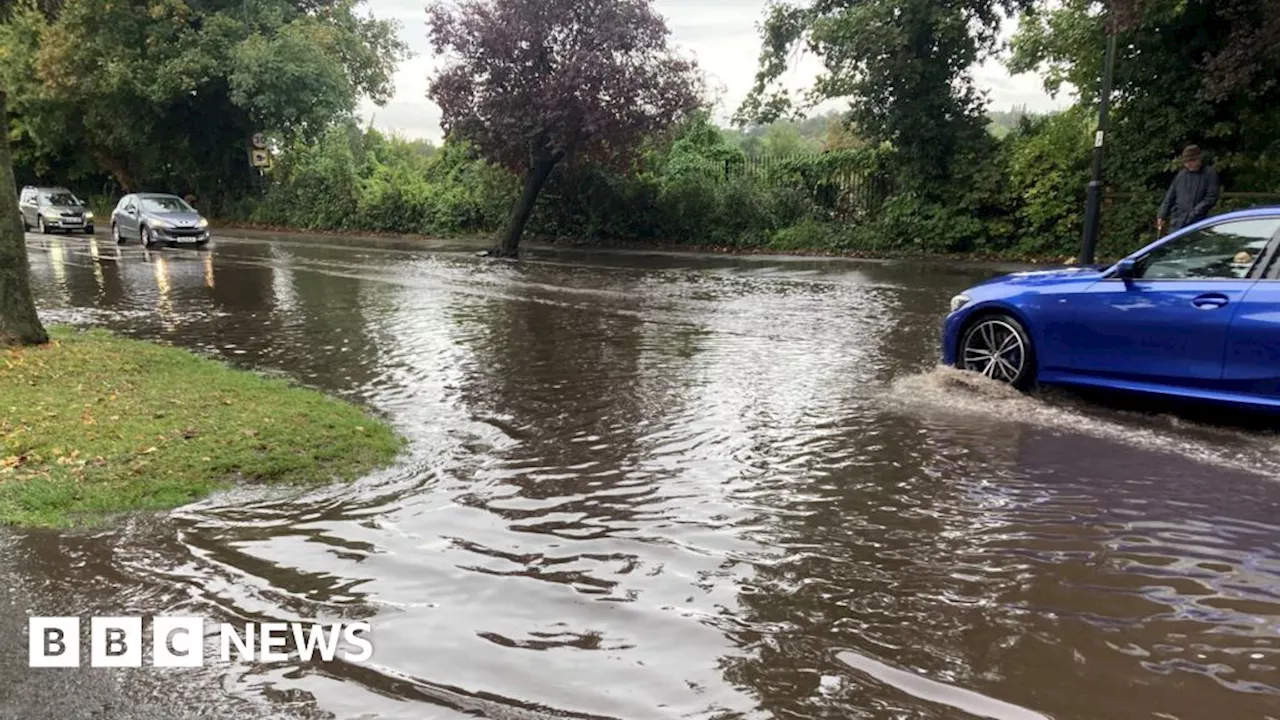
951, 336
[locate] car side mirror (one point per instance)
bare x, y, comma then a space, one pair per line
1126, 269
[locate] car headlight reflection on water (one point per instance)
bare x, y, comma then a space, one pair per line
958, 302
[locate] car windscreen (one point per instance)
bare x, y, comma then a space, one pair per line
63, 199
165, 205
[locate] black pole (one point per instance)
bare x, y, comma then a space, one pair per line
1093, 200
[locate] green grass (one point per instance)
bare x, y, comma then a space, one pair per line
93, 424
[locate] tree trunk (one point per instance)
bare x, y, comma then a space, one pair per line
19, 323
118, 170
534, 180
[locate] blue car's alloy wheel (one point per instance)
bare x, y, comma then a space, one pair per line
998, 347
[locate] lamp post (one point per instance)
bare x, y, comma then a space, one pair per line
1093, 199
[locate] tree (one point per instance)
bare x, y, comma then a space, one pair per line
840, 135
1002, 123
19, 322
784, 139
166, 94
1194, 71
531, 83
903, 64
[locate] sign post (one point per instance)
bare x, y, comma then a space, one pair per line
259, 155
1093, 196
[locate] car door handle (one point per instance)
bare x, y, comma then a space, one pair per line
1210, 301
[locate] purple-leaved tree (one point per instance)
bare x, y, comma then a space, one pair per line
531, 83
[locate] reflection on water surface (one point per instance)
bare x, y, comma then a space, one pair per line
646, 486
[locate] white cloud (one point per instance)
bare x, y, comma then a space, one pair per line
723, 35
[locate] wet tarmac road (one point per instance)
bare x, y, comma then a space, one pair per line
653, 486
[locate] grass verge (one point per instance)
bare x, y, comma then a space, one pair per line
94, 424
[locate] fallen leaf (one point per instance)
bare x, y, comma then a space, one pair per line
149, 450
249, 433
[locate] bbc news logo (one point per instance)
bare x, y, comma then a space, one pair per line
180, 642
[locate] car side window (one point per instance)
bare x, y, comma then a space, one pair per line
1227, 251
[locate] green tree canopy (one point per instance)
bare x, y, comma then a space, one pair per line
168, 92
904, 65
1194, 71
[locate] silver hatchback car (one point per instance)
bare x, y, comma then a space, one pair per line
158, 219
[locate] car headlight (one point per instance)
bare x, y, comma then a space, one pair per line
88, 216
203, 223
958, 302
51, 214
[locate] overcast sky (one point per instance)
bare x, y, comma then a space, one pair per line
721, 34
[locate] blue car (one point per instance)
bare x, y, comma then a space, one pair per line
1194, 316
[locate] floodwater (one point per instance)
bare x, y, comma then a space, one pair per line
654, 486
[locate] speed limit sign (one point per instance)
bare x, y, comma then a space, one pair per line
259, 140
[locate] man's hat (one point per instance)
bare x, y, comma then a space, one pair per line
1191, 152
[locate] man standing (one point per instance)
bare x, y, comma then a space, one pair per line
1192, 195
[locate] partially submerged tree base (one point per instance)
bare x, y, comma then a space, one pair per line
535, 178
497, 252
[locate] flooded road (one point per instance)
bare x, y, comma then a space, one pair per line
650, 486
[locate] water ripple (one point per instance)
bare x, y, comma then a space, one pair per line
652, 487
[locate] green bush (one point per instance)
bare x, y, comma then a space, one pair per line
1048, 167
691, 191
810, 235
1020, 195
354, 180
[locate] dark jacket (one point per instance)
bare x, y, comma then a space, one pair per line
1190, 198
